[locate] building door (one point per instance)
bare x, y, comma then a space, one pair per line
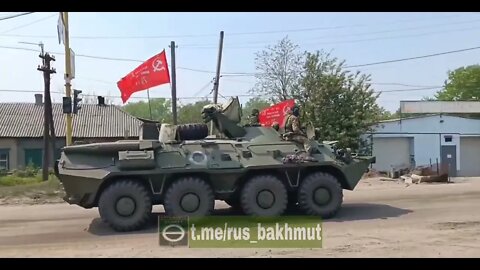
383, 149
34, 157
469, 156
449, 158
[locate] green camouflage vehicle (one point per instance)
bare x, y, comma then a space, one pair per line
250, 167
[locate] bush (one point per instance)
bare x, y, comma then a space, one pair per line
30, 175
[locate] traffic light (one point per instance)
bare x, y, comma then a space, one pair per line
67, 105
76, 101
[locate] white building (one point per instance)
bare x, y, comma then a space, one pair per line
423, 140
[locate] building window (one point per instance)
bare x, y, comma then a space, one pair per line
448, 138
4, 160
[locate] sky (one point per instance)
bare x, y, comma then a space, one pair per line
358, 38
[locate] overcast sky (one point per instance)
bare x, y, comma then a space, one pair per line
359, 38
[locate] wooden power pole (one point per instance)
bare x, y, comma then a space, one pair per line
174, 83
47, 109
217, 77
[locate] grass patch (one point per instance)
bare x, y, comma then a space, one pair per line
29, 176
14, 180
31, 190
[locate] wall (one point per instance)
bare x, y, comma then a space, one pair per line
17, 147
431, 124
11, 144
25, 143
428, 134
383, 149
426, 149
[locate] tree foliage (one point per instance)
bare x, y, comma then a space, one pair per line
462, 84
279, 70
340, 103
253, 103
191, 112
161, 109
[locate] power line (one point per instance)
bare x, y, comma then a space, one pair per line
342, 35
15, 16
18, 48
402, 84
28, 24
102, 58
407, 90
233, 33
374, 63
237, 74
234, 80
346, 41
111, 59
204, 87
413, 58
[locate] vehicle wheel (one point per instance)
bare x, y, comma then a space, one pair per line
189, 196
192, 131
320, 194
125, 205
264, 195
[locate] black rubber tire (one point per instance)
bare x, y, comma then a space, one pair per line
185, 186
310, 184
251, 190
192, 132
137, 194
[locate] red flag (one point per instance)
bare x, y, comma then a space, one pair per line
150, 73
275, 113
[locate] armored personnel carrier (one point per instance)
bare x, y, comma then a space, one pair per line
250, 167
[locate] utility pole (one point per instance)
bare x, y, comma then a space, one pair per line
48, 105
217, 77
47, 111
174, 83
68, 85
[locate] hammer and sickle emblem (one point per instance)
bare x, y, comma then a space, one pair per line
157, 65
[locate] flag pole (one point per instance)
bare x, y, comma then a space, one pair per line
173, 84
149, 105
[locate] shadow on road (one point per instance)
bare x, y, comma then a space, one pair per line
366, 211
348, 212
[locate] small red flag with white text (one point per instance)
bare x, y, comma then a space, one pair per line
150, 73
275, 113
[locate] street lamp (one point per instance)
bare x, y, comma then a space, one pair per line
40, 44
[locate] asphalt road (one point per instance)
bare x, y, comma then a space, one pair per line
379, 219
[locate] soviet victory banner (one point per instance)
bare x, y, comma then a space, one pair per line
150, 73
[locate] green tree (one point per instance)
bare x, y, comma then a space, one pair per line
279, 71
462, 84
161, 109
340, 103
191, 112
253, 103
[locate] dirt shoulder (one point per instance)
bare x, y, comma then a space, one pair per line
39, 193
379, 219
